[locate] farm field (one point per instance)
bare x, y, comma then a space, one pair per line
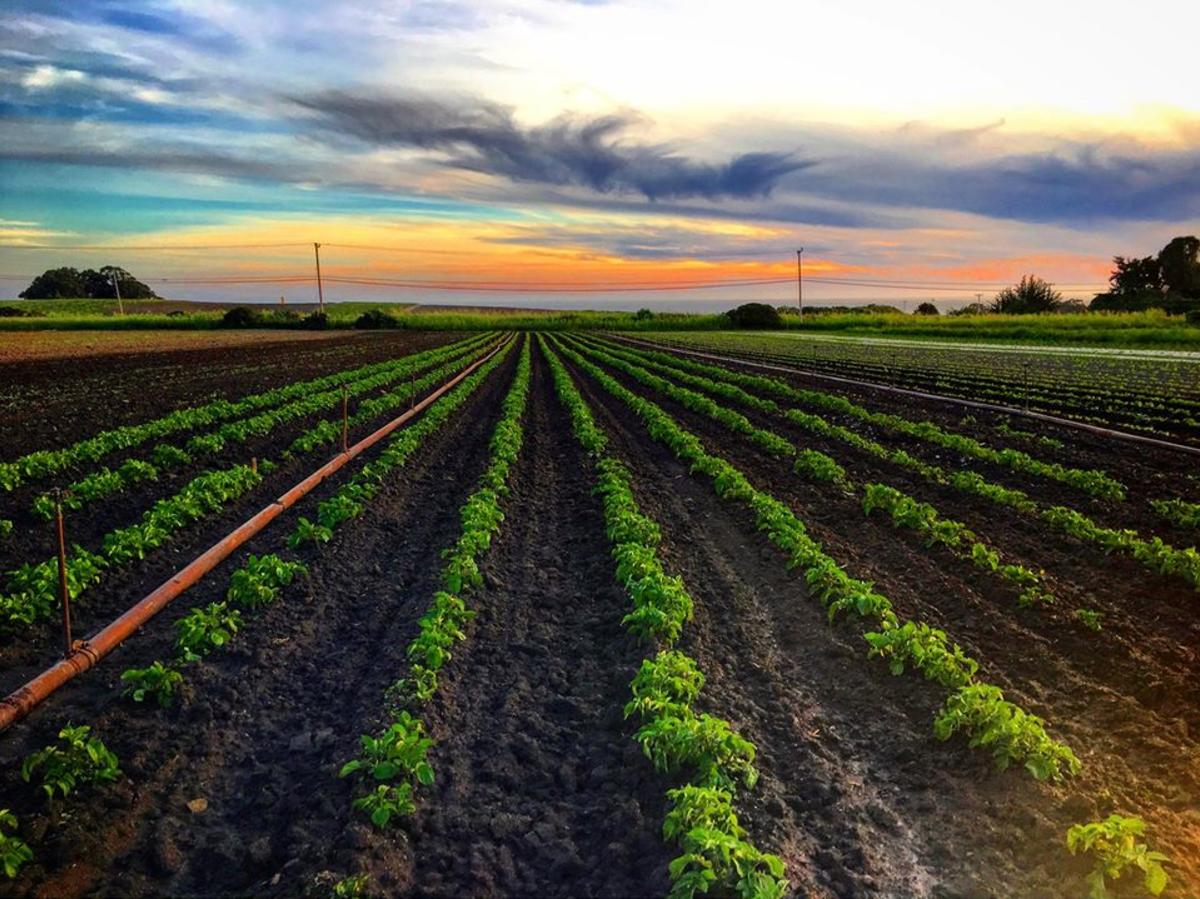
37, 346
601, 618
1144, 391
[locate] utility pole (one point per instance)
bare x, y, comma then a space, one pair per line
800, 281
117, 287
320, 289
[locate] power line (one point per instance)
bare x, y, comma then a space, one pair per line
477, 287
134, 247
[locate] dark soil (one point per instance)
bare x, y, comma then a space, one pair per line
541, 789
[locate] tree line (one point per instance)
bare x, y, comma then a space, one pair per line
93, 284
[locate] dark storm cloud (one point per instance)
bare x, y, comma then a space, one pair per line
1073, 184
483, 137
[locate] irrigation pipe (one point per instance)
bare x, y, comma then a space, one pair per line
974, 404
87, 653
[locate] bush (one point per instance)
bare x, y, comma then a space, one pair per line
279, 318
14, 312
374, 319
927, 309
1031, 296
1193, 317
241, 317
314, 321
754, 315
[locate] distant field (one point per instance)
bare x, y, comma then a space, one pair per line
1146, 330
183, 315
1126, 329
45, 345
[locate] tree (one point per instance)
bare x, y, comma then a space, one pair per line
754, 315
1030, 296
69, 283
927, 309
55, 284
1135, 277
99, 284
1180, 264
373, 319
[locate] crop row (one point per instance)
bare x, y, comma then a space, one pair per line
904, 510
974, 708
81, 758
107, 482
1009, 387
674, 736
31, 593
44, 463
1155, 393
394, 761
350, 499
258, 582
1090, 481
1154, 553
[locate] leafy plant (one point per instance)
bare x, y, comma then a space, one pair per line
1013, 735
78, 758
13, 852
387, 801
675, 740
1090, 619
309, 532
168, 456
156, 681
715, 852
927, 650
666, 684
1114, 843
258, 582
204, 629
1179, 512
352, 887
399, 752
397, 758
819, 467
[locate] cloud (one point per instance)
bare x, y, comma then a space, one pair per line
568, 151
46, 76
1065, 183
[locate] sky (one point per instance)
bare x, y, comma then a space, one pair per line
545, 152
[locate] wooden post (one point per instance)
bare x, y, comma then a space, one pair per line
64, 592
345, 418
254, 464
